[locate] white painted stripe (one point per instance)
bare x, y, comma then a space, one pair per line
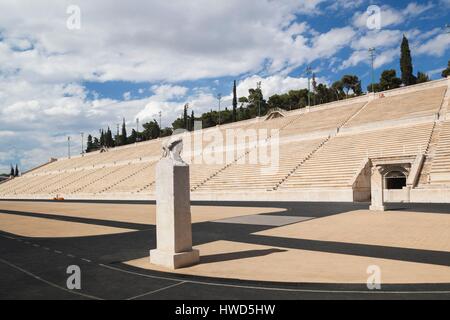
275, 288
158, 290
46, 281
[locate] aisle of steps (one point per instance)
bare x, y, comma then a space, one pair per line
123, 184
293, 170
425, 176
217, 180
100, 175
430, 153
340, 125
338, 161
18, 184
146, 187
48, 184
76, 179
441, 160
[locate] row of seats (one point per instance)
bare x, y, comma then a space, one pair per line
338, 161
414, 104
321, 120
262, 169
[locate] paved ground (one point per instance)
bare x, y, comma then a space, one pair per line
39, 240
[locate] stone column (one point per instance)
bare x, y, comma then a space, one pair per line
377, 190
173, 216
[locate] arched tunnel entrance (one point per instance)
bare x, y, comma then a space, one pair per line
395, 180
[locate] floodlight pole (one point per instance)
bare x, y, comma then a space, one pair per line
219, 97
160, 126
309, 72
82, 144
68, 147
137, 129
372, 57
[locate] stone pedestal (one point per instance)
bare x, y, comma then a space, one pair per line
377, 190
173, 217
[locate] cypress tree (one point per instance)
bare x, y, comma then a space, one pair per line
185, 116
123, 137
12, 171
90, 144
406, 65
192, 121
16, 172
109, 142
102, 138
235, 102
446, 72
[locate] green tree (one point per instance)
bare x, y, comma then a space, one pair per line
277, 101
376, 87
179, 123
256, 101
16, 172
166, 132
102, 138
389, 80
192, 121
422, 77
406, 65
123, 136
351, 82
96, 143
446, 72
151, 130
185, 117
109, 141
12, 171
235, 102
133, 137
337, 89
90, 144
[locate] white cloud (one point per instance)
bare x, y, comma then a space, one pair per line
378, 39
391, 16
119, 42
127, 95
437, 46
169, 92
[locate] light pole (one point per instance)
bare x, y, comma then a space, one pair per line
219, 97
308, 73
372, 57
258, 87
137, 129
160, 127
68, 147
82, 144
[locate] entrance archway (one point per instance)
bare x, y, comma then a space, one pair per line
395, 180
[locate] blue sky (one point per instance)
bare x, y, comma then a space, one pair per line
62, 73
